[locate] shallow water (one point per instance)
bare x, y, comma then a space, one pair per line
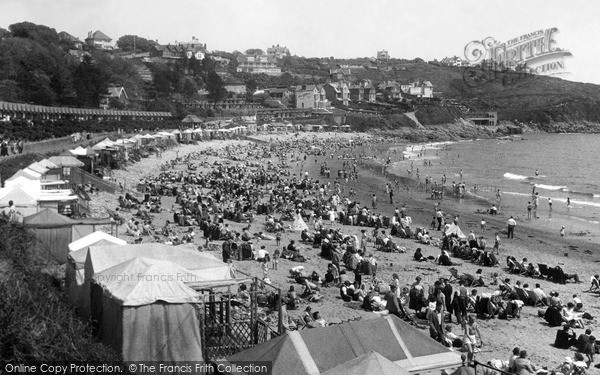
556, 166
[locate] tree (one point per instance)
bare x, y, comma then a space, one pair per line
39, 33
189, 89
90, 84
134, 42
215, 87
255, 51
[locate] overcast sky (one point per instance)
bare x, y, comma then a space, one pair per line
322, 28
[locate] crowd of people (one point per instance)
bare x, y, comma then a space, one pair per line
243, 184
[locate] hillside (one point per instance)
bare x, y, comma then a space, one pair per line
532, 99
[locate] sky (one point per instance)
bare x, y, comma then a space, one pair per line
322, 28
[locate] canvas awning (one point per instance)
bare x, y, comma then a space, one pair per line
66, 161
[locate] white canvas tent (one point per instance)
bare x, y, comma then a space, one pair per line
100, 258
146, 312
454, 229
75, 267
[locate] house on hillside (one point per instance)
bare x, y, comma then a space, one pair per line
256, 64
337, 93
99, 40
420, 90
236, 89
383, 55
65, 36
222, 58
116, 94
280, 94
169, 52
341, 74
310, 96
454, 61
363, 91
278, 52
392, 89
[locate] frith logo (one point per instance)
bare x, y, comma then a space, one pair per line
534, 53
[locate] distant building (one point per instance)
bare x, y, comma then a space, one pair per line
454, 61
278, 52
420, 90
280, 94
383, 55
364, 91
392, 89
117, 93
222, 58
165, 53
257, 64
237, 89
99, 40
341, 74
337, 93
310, 96
65, 36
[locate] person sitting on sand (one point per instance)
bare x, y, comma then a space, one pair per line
595, 283
570, 316
577, 302
522, 365
565, 337
345, 291
444, 259
418, 256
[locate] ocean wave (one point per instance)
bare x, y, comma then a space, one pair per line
516, 193
512, 176
575, 202
550, 187
595, 195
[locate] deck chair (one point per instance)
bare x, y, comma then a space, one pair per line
534, 299
519, 268
595, 284
523, 295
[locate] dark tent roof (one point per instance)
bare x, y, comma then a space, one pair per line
370, 363
48, 218
314, 351
192, 118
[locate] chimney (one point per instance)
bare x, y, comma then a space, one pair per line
89, 35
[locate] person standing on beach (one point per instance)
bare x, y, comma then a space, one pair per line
550, 204
562, 232
529, 208
374, 201
568, 202
496, 244
511, 227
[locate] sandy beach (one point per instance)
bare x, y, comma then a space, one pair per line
574, 254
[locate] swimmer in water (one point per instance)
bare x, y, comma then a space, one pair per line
568, 202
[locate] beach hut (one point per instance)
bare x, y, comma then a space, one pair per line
150, 315
177, 135
315, 351
186, 135
54, 232
23, 173
75, 267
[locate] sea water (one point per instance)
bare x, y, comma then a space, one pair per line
557, 166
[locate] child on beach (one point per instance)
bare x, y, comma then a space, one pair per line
562, 232
496, 244
278, 238
483, 225
275, 258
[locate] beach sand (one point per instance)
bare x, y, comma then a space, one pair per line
574, 254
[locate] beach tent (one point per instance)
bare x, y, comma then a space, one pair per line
23, 173
75, 267
66, 161
146, 312
205, 266
369, 363
192, 119
55, 232
24, 199
454, 229
23, 181
315, 351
